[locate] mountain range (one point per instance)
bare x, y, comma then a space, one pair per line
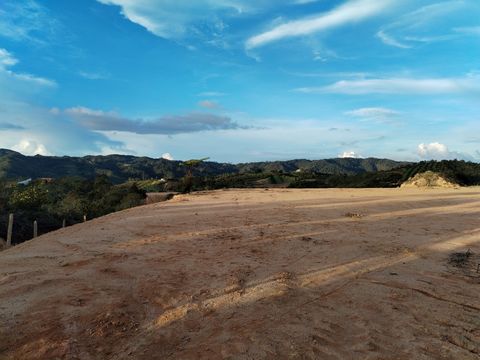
121, 168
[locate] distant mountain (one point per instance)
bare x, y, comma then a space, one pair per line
345, 166
120, 168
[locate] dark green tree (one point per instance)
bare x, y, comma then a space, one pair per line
187, 180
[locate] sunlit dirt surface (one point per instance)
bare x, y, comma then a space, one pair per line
253, 274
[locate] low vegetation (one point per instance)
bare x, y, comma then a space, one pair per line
69, 199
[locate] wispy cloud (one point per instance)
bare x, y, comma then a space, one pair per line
209, 104
399, 86
350, 12
211, 94
423, 25
7, 60
172, 19
26, 20
168, 125
472, 30
94, 75
389, 40
374, 113
303, 2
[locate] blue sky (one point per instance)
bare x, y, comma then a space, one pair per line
241, 80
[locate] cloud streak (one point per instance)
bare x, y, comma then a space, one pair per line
350, 12
472, 30
374, 113
423, 25
26, 20
7, 60
389, 40
399, 86
168, 125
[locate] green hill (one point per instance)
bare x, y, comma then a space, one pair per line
121, 168
459, 172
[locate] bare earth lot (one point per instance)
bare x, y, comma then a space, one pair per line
254, 274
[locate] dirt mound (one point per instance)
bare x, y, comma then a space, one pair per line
430, 179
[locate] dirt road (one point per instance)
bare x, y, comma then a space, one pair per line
253, 274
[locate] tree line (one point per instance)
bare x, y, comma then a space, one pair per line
66, 199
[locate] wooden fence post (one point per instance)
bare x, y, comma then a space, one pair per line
35, 229
10, 231
64, 223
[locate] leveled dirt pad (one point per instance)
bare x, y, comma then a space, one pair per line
254, 274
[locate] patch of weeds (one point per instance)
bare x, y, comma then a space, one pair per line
354, 215
460, 259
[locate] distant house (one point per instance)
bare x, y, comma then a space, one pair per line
25, 182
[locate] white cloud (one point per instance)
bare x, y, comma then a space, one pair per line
209, 104
373, 112
28, 127
350, 155
173, 19
466, 84
80, 110
389, 40
472, 30
303, 2
26, 20
34, 79
30, 147
7, 60
167, 156
424, 24
94, 75
350, 12
211, 94
437, 151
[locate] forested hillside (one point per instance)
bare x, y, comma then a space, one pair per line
460, 172
121, 168
66, 199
